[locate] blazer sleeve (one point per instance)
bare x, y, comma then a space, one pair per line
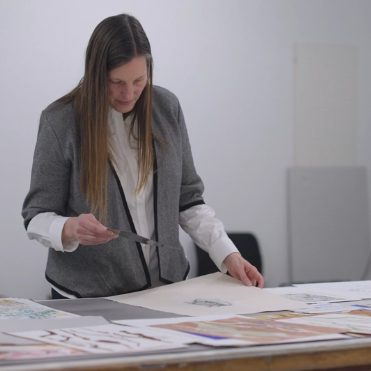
192, 186
50, 175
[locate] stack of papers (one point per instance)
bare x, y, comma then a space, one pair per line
29, 329
25, 315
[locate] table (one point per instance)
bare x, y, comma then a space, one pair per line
340, 355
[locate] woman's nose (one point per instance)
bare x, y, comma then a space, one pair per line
127, 92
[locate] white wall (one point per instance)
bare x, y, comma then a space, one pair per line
231, 65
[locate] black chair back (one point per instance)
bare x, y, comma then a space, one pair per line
246, 243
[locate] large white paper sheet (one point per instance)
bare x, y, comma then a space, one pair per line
238, 330
101, 339
14, 308
43, 324
212, 294
353, 290
346, 322
306, 296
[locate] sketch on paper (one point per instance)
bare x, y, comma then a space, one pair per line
12, 308
323, 308
35, 351
366, 313
277, 315
210, 303
349, 323
253, 330
100, 339
353, 290
309, 298
306, 296
365, 307
360, 287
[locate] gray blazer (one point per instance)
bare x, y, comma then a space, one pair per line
118, 266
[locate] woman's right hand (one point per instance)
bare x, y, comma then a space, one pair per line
86, 230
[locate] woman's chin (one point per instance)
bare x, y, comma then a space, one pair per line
123, 109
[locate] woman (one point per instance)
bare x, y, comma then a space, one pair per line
114, 154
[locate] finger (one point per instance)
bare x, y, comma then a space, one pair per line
257, 277
254, 275
93, 228
83, 230
243, 277
115, 232
90, 219
94, 225
260, 281
92, 240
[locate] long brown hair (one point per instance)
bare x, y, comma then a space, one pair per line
115, 41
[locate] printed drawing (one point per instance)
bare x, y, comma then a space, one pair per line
249, 329
275, 315
366, 313
351, 323
99, 339
35, 351
309, 298
360, 287
210, 303
11, 308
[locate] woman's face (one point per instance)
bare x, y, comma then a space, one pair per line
126, 83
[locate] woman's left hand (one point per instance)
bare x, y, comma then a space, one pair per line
241, 269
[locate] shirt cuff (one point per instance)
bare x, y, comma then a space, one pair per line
55, 231
220, 249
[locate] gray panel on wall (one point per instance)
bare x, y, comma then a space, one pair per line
325, 105
328, 223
